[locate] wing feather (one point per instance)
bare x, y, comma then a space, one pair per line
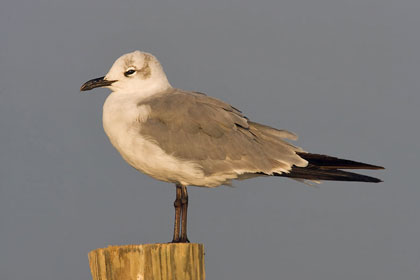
217, 136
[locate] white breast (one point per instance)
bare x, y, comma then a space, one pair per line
122, 119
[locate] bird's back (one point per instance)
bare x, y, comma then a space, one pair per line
217, 137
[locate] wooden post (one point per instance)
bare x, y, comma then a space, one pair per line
170, 261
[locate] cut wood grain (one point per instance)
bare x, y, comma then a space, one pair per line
170, 261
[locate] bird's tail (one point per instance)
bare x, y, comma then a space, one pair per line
323, 167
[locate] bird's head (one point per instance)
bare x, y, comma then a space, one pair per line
133, 72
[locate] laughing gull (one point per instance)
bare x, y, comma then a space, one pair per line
190, 139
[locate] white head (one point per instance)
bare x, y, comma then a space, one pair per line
136, 72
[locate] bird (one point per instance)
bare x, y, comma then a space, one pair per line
190, 139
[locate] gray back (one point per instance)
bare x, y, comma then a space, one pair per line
217, 136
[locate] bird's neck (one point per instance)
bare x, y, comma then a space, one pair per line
148, 88
153, 87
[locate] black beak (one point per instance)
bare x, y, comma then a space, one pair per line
94, 83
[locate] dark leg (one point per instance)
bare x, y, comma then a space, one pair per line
184, 201
177, 205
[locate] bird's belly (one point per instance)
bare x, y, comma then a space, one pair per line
146, 156
122, 124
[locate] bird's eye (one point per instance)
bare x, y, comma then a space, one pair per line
129, 72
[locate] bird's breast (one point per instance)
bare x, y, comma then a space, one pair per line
122, 122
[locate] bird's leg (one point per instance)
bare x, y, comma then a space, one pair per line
177, 205
184, 200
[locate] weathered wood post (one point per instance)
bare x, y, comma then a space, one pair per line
169, 261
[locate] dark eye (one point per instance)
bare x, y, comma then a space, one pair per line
129, 72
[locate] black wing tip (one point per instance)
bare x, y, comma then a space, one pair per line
329, 162
372, 180
368, 166
320, 174
327, 168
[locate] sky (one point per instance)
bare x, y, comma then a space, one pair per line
343, 75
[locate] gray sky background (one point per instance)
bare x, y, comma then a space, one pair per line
343, 75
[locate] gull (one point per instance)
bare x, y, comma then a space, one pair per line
190, 139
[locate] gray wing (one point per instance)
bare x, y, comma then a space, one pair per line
219, 138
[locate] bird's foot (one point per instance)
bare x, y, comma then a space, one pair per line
181, 240
184, 240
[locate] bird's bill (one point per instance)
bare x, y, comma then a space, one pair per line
94, 83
